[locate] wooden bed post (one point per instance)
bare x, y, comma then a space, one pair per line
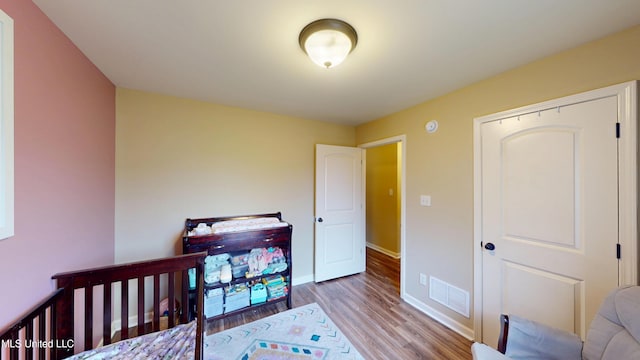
200, 328
64, 323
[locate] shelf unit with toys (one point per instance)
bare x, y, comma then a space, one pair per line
249, 262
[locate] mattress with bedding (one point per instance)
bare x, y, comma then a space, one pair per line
176, 343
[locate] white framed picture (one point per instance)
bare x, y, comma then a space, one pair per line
6, 126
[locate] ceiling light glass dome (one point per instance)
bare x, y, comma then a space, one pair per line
328, 41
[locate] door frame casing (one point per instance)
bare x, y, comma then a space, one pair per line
627, 96
402, 139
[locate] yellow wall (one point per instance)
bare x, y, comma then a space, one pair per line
439, 238
178, 158
382, 206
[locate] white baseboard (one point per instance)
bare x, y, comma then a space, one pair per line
377, 248
440, 317
301, 280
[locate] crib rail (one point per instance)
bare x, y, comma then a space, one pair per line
47, 330
33, 336
169, 269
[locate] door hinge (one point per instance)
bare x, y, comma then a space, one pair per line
617, 130
618, 251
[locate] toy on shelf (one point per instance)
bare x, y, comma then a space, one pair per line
225, 273
213, 302
258, 294
265, 261
276, 287
236, 297
212, 265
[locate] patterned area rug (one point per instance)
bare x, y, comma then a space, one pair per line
301, 333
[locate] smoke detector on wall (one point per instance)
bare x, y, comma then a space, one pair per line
431, 126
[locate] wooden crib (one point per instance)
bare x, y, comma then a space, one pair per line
50, 326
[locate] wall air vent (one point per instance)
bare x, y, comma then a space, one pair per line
450, 296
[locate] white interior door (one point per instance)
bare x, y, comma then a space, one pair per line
339, 227
549, 215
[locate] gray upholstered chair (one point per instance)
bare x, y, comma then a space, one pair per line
614, 334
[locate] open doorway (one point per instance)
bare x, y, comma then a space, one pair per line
385, 199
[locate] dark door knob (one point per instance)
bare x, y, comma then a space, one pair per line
490, 246
320, 220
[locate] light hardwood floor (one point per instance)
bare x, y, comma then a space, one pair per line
368, 309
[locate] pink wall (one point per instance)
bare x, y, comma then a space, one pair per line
64, 162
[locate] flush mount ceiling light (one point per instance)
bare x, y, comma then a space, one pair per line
328, 41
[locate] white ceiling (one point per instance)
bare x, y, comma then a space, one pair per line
245, 53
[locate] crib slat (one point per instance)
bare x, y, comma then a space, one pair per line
106, 314
42, 332
185, 297
124, 329
53, 332
88, 317
156, 302
172, 299
28, 338
141, 305
13, 352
